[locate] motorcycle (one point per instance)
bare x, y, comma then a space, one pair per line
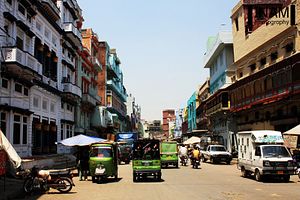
195, 163
43, 180
183, 160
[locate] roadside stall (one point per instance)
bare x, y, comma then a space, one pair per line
291, 138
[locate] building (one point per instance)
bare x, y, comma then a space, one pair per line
191, 108
34, 41
265, 89
111, 88
201, 116
219, 59
178, 123
88, 122
155, 130
168, 116
133, 113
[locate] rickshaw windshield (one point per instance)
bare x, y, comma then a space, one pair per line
101, 152
146, 151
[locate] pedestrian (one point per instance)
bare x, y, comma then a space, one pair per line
84, 163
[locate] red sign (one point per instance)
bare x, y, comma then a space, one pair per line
3, 160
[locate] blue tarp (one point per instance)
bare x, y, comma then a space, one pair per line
81, 140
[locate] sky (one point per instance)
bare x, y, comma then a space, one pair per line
161, 45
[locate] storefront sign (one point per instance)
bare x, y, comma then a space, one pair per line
290, 141
255, 2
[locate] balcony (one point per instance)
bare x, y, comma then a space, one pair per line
51, 9
73, 8
91, 100
73, 33
112, 71
21, 63
71, 89
96, 63
113, 86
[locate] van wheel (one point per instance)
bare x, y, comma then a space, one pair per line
258, 176
203, 158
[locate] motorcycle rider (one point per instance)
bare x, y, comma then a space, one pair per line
196, 154
183, 153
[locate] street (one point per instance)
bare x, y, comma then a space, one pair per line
218, 181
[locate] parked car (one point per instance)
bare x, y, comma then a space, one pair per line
216, 154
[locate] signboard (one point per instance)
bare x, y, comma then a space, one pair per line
267, 138
290, 141
3, 160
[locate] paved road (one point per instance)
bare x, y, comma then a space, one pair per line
209, 182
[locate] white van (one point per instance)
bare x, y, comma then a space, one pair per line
263, 154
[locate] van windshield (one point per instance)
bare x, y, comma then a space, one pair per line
217, 148
101, 152
275, 151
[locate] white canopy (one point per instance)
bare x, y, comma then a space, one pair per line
293, 131
192, 140
9, 149
81, 140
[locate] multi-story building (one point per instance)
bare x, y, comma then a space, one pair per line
266, 88
89, 83
178, 123
201, 116
168, 116
155, 130
219, 58
32, 39
191, 108
111, 88
133, 113
71, 93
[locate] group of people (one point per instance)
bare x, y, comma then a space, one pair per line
189, 151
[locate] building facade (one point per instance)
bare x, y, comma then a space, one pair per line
219, 59
168, 116
32, 71
265, 92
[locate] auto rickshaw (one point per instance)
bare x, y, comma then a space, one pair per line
169, 153
103, 162
146, 159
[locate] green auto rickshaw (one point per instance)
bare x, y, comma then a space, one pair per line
169, 153
103, 162
146, 159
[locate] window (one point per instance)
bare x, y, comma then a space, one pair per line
4, 83
274, 56
289, 47
38, 26
252, 67
9, 2
45, 105
18, 87
236, 21
3, 122
263, 61
36, 102
25, 91
62, 105
260, 13
21, 9
257, 151
241, 74
17, 129
52, 107
24, 130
